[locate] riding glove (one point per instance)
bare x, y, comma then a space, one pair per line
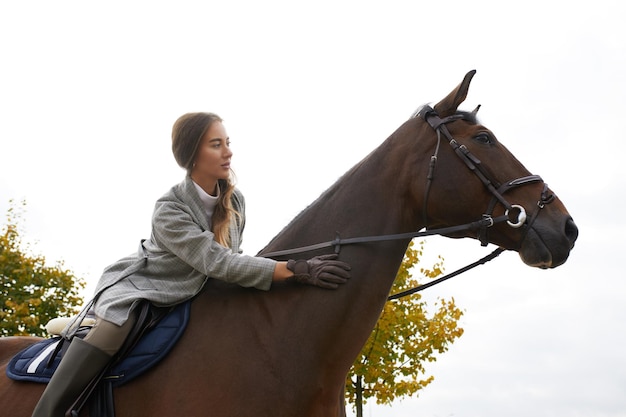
322, 271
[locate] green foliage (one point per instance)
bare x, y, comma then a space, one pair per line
406, 337
32, 292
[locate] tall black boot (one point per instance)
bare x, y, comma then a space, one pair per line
81, 363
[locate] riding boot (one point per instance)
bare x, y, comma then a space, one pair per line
81, 363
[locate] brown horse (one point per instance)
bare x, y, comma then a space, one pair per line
286, 352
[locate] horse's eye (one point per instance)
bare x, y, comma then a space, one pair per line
484, 138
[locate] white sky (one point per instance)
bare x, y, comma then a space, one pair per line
89, 91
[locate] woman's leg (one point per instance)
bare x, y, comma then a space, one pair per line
109, 337
82, 362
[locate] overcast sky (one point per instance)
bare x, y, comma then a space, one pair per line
89, 91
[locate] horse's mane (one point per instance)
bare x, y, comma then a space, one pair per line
328, 193
324, 195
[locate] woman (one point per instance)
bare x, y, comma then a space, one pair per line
196, 234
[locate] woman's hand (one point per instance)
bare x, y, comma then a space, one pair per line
322, 271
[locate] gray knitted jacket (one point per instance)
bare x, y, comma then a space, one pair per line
181, 254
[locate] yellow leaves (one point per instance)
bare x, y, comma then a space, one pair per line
406, 336
31, 292
435, 271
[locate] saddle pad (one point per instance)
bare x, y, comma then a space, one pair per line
31, 364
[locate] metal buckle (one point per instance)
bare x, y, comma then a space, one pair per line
489, 220
521, 217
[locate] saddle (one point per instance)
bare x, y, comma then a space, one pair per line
156, 332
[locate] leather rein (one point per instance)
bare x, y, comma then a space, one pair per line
481, 226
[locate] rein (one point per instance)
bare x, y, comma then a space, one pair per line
474, 164
338, 242
466, 268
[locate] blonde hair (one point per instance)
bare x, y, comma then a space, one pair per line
224, 212
187, 134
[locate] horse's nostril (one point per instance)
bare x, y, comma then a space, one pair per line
571, 231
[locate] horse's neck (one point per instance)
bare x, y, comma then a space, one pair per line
370, 200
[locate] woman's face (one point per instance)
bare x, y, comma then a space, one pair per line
213, 158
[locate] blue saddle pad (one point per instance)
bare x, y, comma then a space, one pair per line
31, 364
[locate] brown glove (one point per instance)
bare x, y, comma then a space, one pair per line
322, 271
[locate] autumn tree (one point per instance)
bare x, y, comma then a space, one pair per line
406, 337
32, 292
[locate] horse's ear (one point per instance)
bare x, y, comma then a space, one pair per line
450, 104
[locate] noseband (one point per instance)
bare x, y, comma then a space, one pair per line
496, 189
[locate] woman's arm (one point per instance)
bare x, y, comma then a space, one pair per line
281, 273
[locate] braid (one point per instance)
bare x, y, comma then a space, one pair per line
223, 213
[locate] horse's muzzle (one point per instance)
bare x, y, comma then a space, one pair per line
546, 247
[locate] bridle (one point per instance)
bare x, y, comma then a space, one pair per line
496, 189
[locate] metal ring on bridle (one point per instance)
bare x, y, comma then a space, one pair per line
521, 217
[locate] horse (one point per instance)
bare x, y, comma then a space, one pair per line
287, 351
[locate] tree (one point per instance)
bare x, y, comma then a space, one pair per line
391, 364
32, 292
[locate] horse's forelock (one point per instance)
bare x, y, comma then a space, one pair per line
469, 116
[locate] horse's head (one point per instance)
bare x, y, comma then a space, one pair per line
480, 177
